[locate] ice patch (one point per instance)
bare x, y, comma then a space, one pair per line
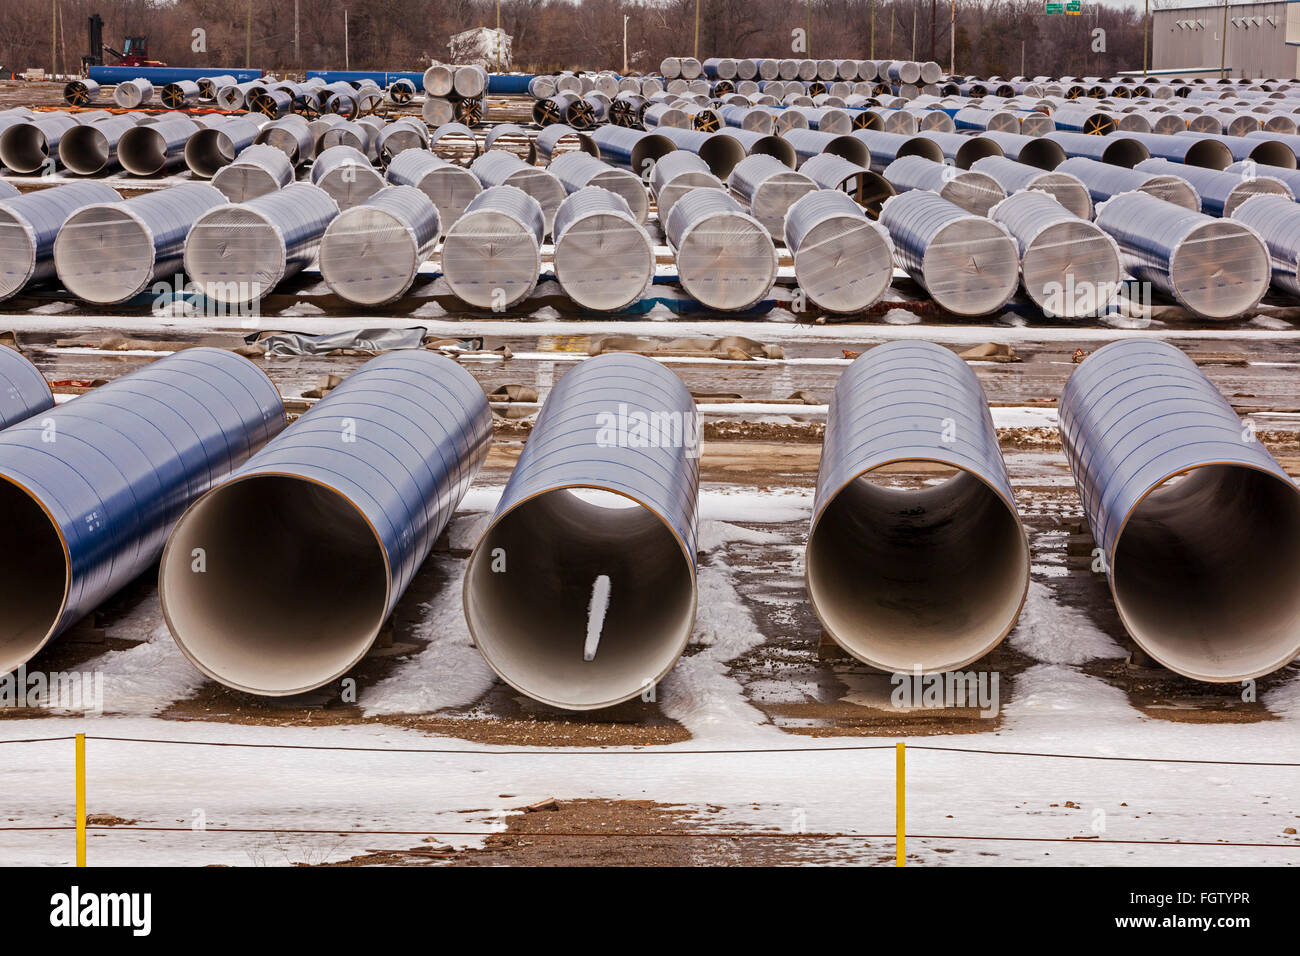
1054, 634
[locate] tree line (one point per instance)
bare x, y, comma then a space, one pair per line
992, 37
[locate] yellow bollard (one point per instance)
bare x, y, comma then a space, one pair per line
81, 799
900, 822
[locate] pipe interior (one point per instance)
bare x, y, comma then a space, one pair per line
84, 150
975, 149
1125, 152
142, 151
23, 148
1206, 573
33, 576
294, 587
532, 620
1272, 153
17, 253
209, 150
1042, 153
905, 577
1209, 153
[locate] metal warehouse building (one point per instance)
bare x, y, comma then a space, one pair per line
1263, 39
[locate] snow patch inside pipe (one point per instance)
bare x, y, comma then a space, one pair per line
589, 499
916, 559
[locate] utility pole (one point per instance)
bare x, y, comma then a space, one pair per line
872, 54
625, 19
933, 17
297, 37
499, 36
347, 59
1146, 27
913, 33
697, 29
952, 47
248, 34
1223, 52
808, 33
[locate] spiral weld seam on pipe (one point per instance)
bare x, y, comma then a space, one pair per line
93, 509
603, 257
30, 224
371, 508
24, 391
588, 500
371, 253
842, 260
504, 272
1175, 497
958, 549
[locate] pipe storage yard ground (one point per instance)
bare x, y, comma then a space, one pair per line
578, 433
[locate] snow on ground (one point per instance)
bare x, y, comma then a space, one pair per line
1055, 708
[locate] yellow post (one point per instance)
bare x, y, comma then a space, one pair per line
900, 822
81, 799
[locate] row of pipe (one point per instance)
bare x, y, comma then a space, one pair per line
581, 591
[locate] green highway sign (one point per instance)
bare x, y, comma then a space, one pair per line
1055, 7
1074, 7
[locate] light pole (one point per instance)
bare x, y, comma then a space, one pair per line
498, 36
347, 60
952, 38
625, 19
1146, 26
697, 29
1223, 51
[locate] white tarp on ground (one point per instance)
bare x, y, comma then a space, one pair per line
483, 47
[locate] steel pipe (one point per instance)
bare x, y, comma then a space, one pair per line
450, 187
596, 599
497, 168
550, 139
769, 188
604, 259
372, 251
491, 256
763, 144
133, 94
808, 143
256, 171
676, 174
239, 252
843, 262
916, 577
153, 148
1277, 221
80, 92
869, 190
631, 149
29, 225
1188, 150
975, 192
215, 146
1221, 192
967, 263
1012, 176
346, 175
722, 152
1198, 524
884, 148
1104, 180
111, 252
961, 150
399, 136
91, 510
1214, 268
91, 148
577, 170
725, 257
1069, 267
1031, 150
342, 525
1119, 149
30, 145
24, 392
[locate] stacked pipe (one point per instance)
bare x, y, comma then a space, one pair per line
372, 251
450, 187
843, 262
769, 188
491, 255
577, 170
454, 93
346, 175
973, 191
497, 168
603, 258
725, 258
255, 171
676, 174
29, 225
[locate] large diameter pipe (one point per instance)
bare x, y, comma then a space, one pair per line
973, 191
1277, 221
256, 171
725, 257
451, 187
769, 188
1118, 149
604, 259
239, 252
967, 263
217, 145
884, 148
1188, 150
631, 149
29, 145
90, 510
1221, 192
675, 175
347, 175
24, 392
399, 136
208, 85
29, 225
1069, 267
961, 150
110, 252
808, 143
292, 135
373, 250
595, 600
923, 578
1104, 180
180, 94
132, 94
1198, 524
80, 92
92, 147
341, 524
491, 256
1265, 151
1215, 268
1012, 176
843, 261
1030, 150
499, 168
153, 148
577, 171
